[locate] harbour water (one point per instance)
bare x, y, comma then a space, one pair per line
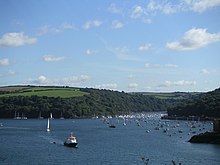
160, 141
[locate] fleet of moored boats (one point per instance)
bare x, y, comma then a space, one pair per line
71, 141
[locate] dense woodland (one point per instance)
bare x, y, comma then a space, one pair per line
96, 103
203, 105
106, 102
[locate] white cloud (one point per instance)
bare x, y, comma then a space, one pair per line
178, 83
91, 52
171, 65
204, 71
123, 54
9, 73
194, 39
131, 76
170, 7
92, 23
112, 86
16, 39
147, 88
132, 85
202, 5
153, 6
52, 58
137, 12
66, 81
42, 79
4, 62
114, 9
147, 20
165, 7
67, 25
150, 66
145, 47
48, 29
88, 52
117, 25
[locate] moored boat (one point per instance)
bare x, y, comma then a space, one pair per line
48, 125
112, 126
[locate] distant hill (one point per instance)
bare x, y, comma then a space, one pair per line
206, 104
53, 91
73, 102
171, 95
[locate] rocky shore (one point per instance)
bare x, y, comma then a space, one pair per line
207, 137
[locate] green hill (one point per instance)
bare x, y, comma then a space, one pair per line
73, 102
63, 92
171, 95
203, 105
87, 102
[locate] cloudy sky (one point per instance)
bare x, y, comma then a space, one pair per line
141, 45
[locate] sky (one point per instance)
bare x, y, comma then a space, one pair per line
131, 46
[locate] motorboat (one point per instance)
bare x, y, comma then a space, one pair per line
71, 141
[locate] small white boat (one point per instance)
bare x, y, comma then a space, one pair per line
48, 125
124, 122
40, 117
71, 141
51, 116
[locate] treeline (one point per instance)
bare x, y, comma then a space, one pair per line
96, 103
204, 105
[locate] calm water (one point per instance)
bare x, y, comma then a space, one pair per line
27, 142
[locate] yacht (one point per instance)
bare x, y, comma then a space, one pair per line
48, 125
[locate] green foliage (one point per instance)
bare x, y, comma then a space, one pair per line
204, 105
93, 102
63, 92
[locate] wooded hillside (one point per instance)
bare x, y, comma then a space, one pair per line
89, 102
204, 105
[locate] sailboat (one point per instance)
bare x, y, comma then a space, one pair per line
48, 125
124, 122
51, 116
40, 117
61, 116
17, 116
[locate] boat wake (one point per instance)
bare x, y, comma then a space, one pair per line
52, 140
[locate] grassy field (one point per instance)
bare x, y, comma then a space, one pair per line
41, 91
163, 95
172, 95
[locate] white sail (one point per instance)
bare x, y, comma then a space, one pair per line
48, 125
51, 116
